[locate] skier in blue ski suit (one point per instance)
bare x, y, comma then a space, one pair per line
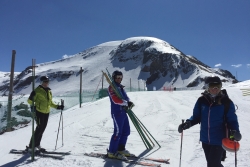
120, 119
209, 112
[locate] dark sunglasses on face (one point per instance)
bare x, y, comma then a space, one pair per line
118, 77
45, 81
214, 86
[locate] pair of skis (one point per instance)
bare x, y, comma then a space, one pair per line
132, 160
47, 154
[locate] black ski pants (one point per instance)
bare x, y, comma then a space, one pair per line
213, 155
41, 123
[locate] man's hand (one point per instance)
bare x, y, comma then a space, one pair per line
60, 107
184, 126
130, 104
235, 135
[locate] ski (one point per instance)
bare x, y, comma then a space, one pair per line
55, 152
38, 154
129, 161
44, 151
160, 160
166, 161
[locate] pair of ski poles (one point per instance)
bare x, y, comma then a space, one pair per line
181, 148
61, 118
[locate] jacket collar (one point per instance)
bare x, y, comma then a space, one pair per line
46, 89
211, 98
120, 85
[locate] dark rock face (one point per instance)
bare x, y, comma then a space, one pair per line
157, 67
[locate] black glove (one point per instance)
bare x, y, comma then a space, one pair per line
60, 107
235, 135
184, 126
130, 104
31, 109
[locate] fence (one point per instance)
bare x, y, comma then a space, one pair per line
20, 113
21, 116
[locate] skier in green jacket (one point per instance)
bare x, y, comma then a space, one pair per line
42, 98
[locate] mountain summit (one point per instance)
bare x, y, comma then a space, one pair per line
148, 59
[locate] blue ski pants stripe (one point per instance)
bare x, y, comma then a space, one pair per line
121, 131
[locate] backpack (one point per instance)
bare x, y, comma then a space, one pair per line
226, 104
226, 108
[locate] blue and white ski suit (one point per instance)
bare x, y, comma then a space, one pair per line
120, 119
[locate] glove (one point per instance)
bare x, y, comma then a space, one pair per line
130, 104
60, 107
31, 109
125, 107
235, 135
184, 126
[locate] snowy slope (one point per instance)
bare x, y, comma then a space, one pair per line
89, 129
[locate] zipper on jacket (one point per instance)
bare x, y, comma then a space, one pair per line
208, 122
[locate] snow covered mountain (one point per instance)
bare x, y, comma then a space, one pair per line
148, 59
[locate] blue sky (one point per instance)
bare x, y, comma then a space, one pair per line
216, 32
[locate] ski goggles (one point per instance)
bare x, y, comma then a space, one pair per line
118, 77
214, 86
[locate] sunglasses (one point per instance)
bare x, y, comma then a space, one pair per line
45, 81
118, 77
214, 86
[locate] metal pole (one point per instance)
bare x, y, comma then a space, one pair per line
62, 103
11, 91
58, 129
181, 143
235, 152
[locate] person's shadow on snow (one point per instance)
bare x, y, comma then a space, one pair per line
113, 163
17, 162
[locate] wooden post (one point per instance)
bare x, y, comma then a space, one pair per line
144, 85
102, 80
130, 84
9, 123
138, 85
80, 96
33, 109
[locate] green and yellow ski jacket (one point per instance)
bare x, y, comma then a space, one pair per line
43, 99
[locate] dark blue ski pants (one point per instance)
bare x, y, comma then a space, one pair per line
213, 155
121, 131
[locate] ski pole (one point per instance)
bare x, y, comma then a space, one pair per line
235, 153
62, 103
58, 127
181, 143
